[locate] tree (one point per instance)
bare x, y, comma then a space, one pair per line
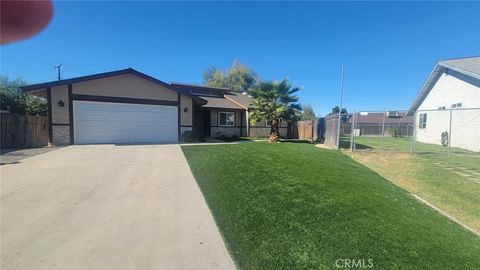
344, 114
308, 113
15, 101
274, 101
239, 78
213, 77
36, 105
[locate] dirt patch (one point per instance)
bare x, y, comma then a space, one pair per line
396, 167
323, 146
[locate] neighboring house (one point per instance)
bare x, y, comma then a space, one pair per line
127, 106
374, 123
451, 94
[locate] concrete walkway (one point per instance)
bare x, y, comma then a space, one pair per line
107, 207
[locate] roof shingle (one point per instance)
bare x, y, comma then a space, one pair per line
241, 99
219, 102
470, 64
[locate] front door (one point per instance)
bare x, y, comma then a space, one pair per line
207, 123
202, 126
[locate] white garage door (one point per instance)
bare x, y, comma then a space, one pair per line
104, 122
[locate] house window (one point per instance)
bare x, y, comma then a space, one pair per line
216, 93
441, 108
199, 91
226, 119
422, 123
205, 92
457, 105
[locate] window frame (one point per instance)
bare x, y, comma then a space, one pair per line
422, 121
226, 122
206, 92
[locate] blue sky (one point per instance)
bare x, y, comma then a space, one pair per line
388, 49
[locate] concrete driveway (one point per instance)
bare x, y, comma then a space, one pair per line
107, 207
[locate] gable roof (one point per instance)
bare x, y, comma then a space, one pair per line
244, 100
220, 103
34, 87
469, 66
190, 86
40, 86
230, 99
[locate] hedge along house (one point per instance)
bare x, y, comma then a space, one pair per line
127, 106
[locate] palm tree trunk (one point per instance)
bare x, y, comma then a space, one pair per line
274, 131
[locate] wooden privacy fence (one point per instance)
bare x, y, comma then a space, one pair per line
305, 130
292, 130
23, 131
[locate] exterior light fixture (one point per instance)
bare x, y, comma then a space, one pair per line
185, 109
61, 104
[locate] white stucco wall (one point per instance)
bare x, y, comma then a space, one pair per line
450, 89
453, 88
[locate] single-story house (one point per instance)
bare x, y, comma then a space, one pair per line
374, 123
447, 108
127, 106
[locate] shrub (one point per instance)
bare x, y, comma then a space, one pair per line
395, 132
15, 101
232, 138
189, 136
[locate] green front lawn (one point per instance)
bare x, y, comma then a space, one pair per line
451, 183
294, 206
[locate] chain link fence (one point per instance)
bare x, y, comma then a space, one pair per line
453, 131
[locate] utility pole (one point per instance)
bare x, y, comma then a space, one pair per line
383, 130
340, 109
58, 70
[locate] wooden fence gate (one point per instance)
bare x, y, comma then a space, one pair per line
19, 131
305, 130
331, 130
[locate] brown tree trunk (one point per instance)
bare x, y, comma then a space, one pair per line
274, 131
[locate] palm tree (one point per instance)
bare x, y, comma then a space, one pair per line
274, 101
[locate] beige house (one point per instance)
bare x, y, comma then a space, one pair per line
127, 106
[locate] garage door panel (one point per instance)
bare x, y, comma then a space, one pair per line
104, 122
